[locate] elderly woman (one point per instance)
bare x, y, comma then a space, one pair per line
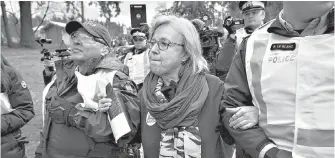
180, 101
75, 126
16, 111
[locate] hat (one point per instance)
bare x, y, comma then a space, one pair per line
143, 30
93, 28
251, 5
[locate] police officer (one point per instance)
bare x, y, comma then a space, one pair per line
295, 95
136, 57
253, 16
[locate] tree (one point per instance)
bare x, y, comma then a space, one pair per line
71, 7
108, 9
27, 34
82, 11
45, 14
5, 21
191, 10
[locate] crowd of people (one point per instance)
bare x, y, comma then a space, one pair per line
271, 94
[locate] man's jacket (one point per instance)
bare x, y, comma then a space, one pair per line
86, 134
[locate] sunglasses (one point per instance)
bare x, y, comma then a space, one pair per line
139, 38
85, 38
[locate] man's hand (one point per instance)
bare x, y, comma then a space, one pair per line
48, 66
104, 103
228, 25
245, 117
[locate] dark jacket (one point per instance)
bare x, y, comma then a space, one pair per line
89, 133
12, 143
237, 91
225, 57
212, 145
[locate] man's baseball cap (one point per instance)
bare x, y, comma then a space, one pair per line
251, 5
95, 29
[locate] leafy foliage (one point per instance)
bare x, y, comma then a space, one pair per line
196, 9
108, 9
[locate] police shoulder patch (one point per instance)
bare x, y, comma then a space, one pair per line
23, 84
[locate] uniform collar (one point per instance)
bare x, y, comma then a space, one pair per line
321, 25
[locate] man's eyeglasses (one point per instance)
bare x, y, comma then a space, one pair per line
84, 38
139, 38
162, 44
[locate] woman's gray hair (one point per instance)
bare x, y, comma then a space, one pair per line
191, 39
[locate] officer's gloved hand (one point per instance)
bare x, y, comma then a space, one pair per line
228, 25
273, 153
60, 111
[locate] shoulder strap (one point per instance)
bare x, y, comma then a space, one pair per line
128, 56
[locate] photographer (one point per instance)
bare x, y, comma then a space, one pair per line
209, 38
253, 16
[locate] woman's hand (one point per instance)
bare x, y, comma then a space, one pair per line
245, 117
104, 103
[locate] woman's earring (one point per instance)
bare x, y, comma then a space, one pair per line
183, 62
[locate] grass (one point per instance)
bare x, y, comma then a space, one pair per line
27, 62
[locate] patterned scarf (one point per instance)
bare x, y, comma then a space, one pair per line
183, 110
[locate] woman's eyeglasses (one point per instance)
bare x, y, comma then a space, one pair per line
162, 44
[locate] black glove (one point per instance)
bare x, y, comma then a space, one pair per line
61, 110
227, 24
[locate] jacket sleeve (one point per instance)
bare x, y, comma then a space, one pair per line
236, 94
96, 124
225, 58
20, 100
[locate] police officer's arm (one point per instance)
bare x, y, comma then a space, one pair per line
96, 124
225, 58
20, 100
236, 94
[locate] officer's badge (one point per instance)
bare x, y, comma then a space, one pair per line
23, 84
249, 4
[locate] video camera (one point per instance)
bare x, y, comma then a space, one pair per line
230, 21
210, 44
47, 55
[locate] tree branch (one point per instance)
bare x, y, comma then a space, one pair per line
45, 14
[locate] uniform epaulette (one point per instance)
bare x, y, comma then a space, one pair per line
267, 23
